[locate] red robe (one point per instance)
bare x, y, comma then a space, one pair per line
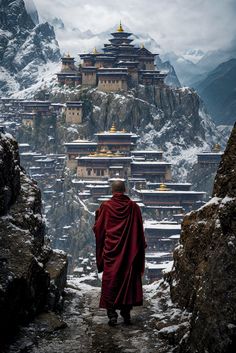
120, 245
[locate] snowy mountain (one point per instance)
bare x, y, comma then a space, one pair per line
218, 90
194, 65
193, 55
214, 58
186, 70
26, 49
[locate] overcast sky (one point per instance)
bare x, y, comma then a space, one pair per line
175, 24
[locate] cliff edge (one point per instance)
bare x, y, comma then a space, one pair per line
32, 276
203, 280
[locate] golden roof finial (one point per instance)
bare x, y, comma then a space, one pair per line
216, 147
113, 128
120, 28
142, 46
95, 50
163, 187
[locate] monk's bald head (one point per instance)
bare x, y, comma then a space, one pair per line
118, 186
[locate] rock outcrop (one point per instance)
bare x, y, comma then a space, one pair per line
164, 117
25, 48
203, 280
32, 276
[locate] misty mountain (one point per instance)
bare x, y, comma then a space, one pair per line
218, 90
186, 70
214, 58
194, 65
193, 55
32, 11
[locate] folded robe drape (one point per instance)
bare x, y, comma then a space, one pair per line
120, 247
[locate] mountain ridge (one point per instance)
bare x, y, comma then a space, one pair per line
218, 90
25, 48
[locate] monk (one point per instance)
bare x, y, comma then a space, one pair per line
120, 252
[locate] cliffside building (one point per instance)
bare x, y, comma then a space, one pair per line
119, 66
114, 155
213, 158
74, 112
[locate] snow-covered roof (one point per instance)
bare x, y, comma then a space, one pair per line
165, 207
210, 153
150, 225
98, 186
147, 151
117, 133
150, 162
179, 184
116, 167
80, 142
24, 145
182, 192
82, 181
104, 158
152, 266
47, 160
156, 254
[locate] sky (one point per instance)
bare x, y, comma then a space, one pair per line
177, 25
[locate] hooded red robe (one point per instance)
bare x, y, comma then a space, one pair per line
120, 245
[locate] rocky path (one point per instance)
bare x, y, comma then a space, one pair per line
84, 328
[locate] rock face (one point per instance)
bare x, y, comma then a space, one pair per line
32, 276
164, 117
204, 277
25, 49
171, 78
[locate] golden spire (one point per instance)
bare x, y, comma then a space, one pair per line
120, 28
162, 187
142, 46
216, 148
95, 51
113, 128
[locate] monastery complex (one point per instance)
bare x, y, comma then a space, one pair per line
119, 66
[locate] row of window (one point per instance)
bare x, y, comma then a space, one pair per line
89, 73
74, 108
110, 81
98, 172
75, 114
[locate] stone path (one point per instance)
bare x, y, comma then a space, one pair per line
87, 330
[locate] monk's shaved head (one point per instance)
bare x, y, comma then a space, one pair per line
118, 186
